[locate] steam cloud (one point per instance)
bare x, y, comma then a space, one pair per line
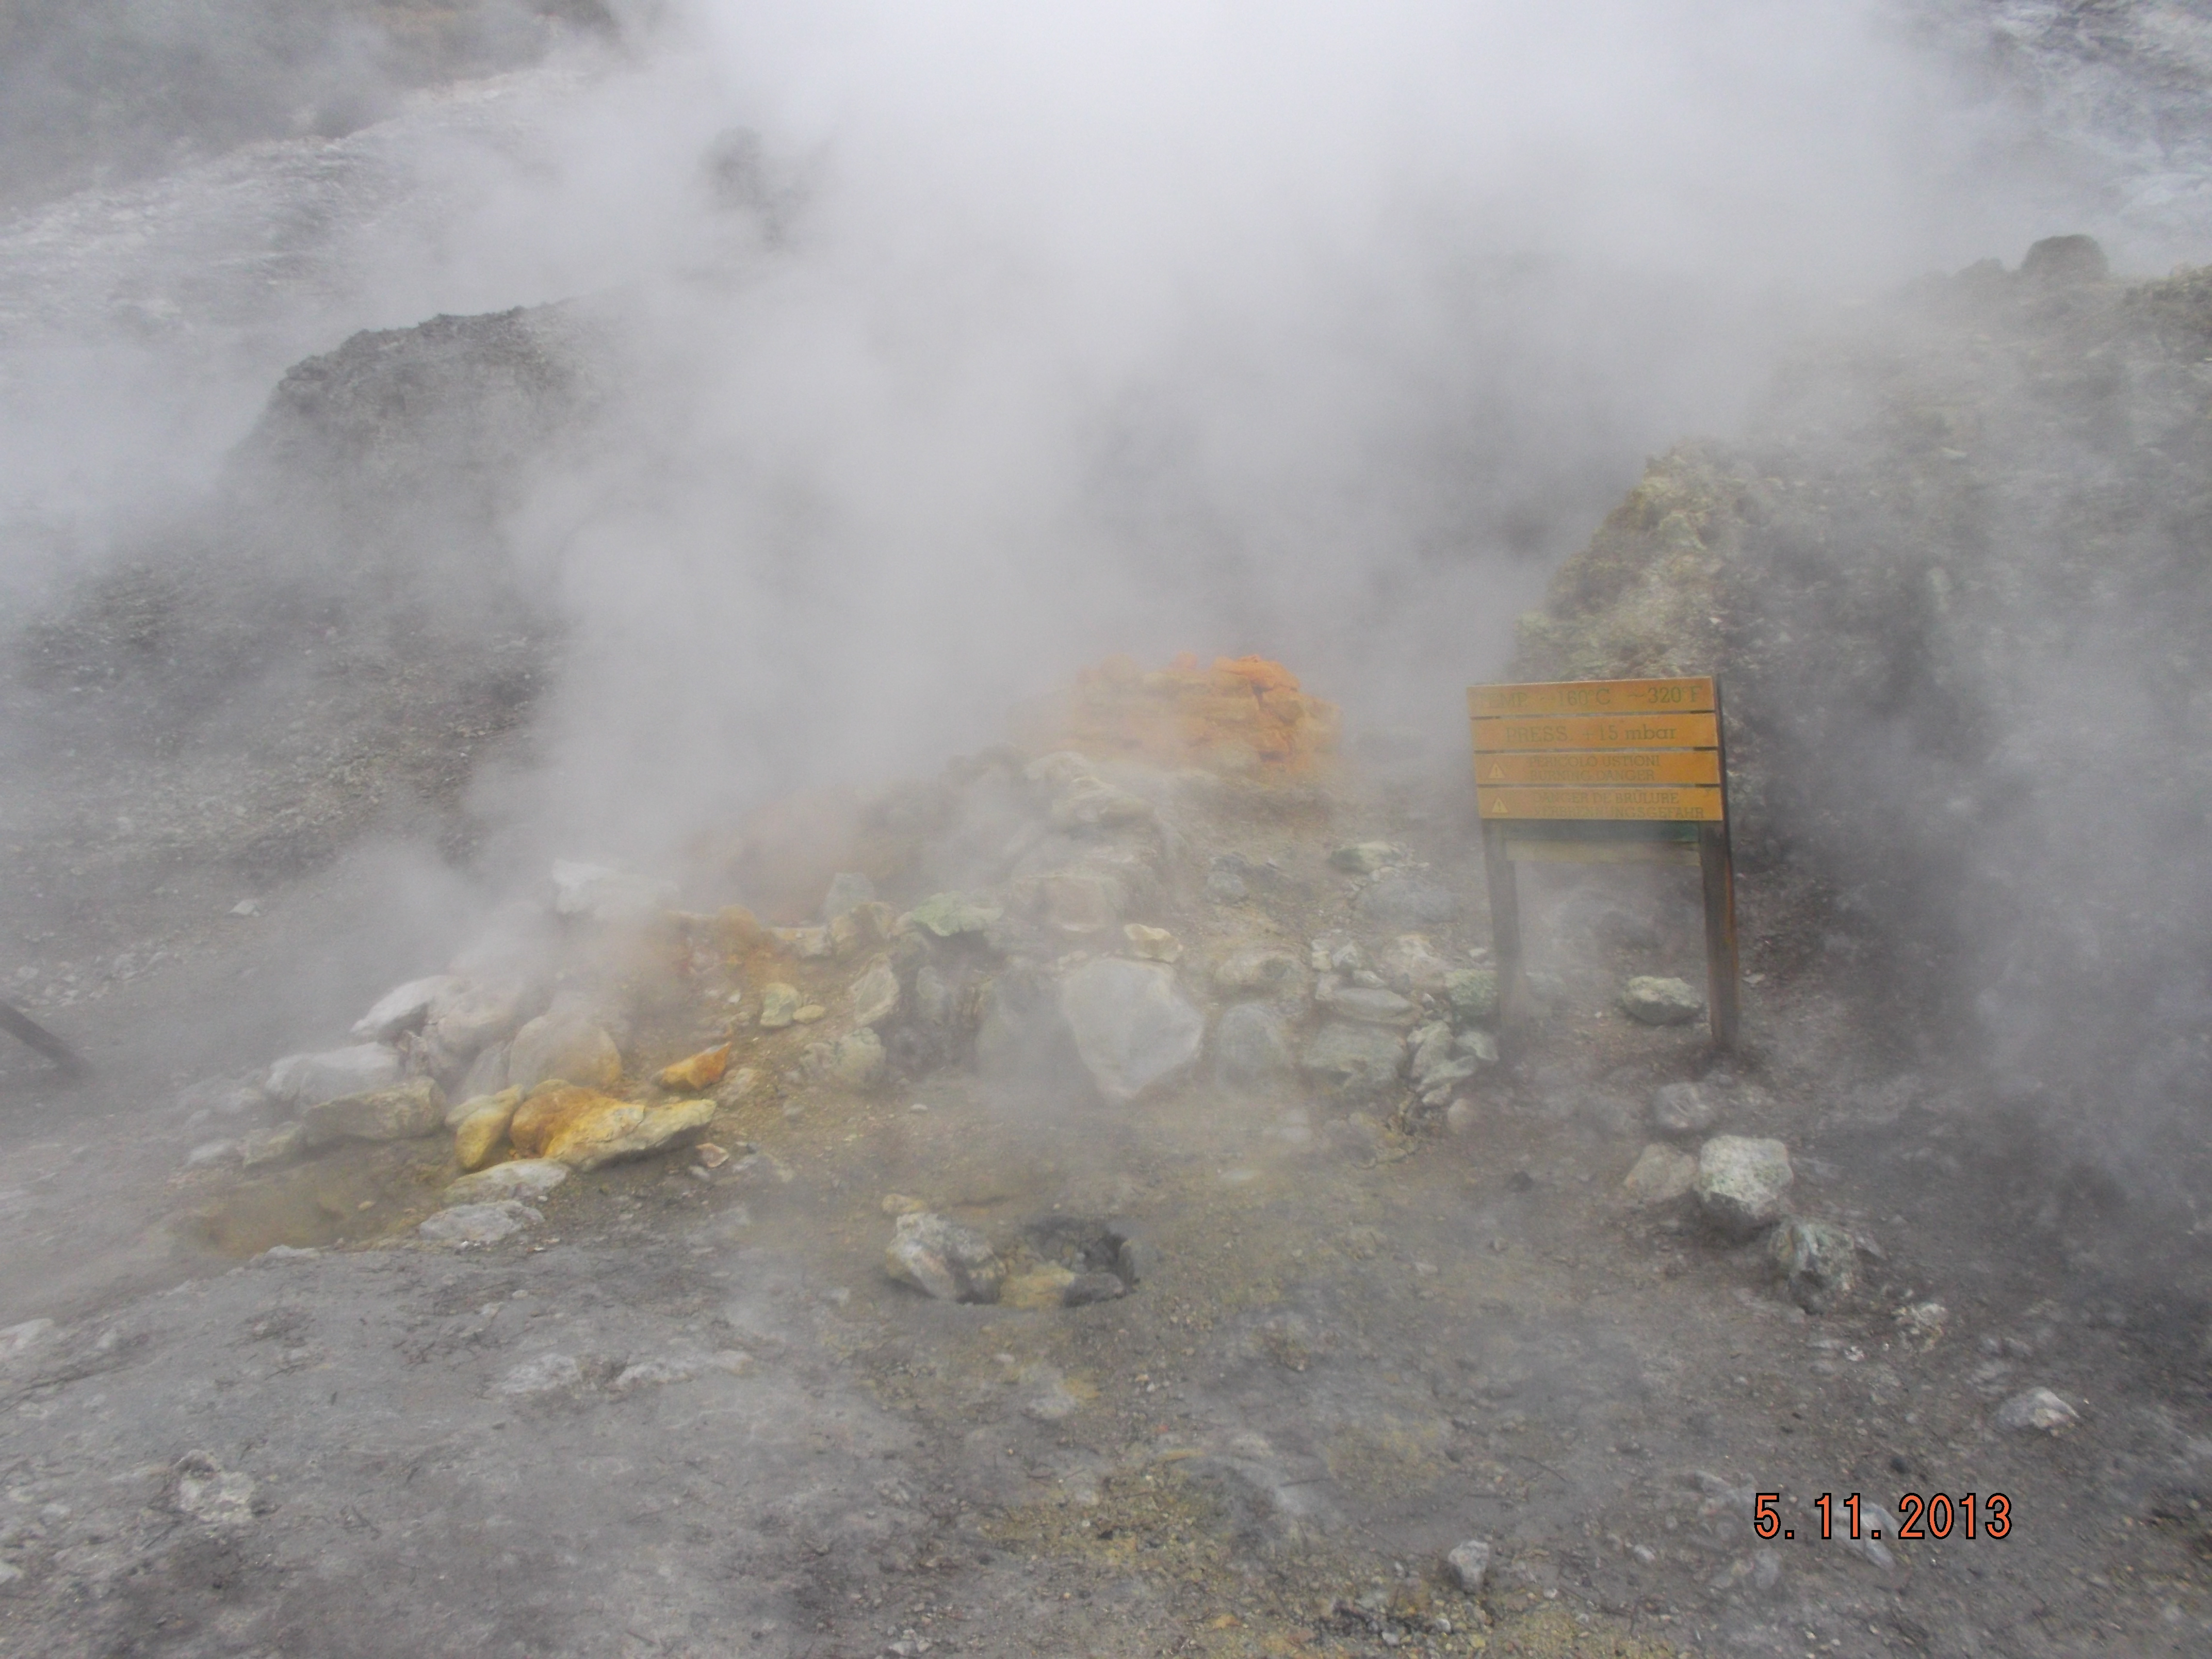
942, 350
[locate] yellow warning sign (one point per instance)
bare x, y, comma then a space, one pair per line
1598, 750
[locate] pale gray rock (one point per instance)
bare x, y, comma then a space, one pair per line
524, 1177
943, 1259
2038, 1411
1365, 858
1251, 1050
1743, 1183
480, 1223
1375, 1005
487, 1073
1818, 1259
1133, 1028
779, 1004
566, 1043
1469, 1566
463, 1021
1681, 1109
547, 1373
848, 891
856, 1062
1656, 1001
876, 994
401, 1113
1411, 965
404, 1008
600, 893
303, 1079
1661, 1174
1354, 1061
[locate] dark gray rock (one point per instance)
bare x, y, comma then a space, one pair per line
1399, 898
1818, 1259
1474, 995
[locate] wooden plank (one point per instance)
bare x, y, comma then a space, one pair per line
1505, 932
1675, 696
1694, 804
1602, 852
1630, 766
1598, 731
1722, 979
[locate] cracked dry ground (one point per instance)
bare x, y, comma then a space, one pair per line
691, 1416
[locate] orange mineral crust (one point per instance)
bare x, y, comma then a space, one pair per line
1244, 715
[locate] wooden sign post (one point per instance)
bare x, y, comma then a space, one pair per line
1605, 772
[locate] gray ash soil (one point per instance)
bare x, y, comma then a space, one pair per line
693, 1416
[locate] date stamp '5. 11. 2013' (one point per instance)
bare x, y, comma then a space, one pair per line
1976, 1515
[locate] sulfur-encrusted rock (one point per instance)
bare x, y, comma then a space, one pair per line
946, 1261
416, 1108
1656, 1001
483, 1131
1743, 1183
622, 1130
780, 1006
696, 1072
1133, 1028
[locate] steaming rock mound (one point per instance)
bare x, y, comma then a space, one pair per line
1958, 593
338, 639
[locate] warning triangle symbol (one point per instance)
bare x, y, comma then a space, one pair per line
1496, 770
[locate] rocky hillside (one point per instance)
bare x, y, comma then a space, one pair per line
1957, 582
